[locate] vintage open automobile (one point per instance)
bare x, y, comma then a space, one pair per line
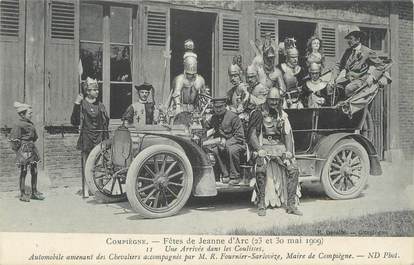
158, 167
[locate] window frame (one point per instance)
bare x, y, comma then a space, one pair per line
106, 48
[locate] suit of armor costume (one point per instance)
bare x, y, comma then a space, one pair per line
185, 90
271, 139
292, 77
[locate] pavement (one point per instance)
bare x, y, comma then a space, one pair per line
64, 211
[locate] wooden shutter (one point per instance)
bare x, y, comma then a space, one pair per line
267, 25
231, 34
62, 20
156, 40
9, 18
157, 28
12, 62
328, 34
228, 27
62, 58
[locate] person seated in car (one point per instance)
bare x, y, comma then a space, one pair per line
315, 92
360, 64
227, 128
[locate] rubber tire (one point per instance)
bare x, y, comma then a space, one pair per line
89, 166
132, 175
362, 153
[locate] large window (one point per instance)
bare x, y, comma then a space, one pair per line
375, 39
106, 45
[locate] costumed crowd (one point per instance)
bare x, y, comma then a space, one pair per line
249, 123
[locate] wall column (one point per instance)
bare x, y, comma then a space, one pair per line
247, 31
393, 149
35, 66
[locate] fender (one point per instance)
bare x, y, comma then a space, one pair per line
204, 183
323, 148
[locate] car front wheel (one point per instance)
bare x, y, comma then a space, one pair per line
159, 181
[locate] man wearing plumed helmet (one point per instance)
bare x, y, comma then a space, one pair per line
186, 87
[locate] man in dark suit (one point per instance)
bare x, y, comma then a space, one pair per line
228, 128
361, 65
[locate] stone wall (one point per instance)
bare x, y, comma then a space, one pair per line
363, 11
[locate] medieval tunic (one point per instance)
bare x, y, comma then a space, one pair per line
140, 113
230, 127
273, 131
314, 90
94, 120
22, 138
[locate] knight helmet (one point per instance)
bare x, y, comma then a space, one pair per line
190, 65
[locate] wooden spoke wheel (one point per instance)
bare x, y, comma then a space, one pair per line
105, 180
159, 181
346, 170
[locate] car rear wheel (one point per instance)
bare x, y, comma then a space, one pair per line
346, 170
104, 180
159, 181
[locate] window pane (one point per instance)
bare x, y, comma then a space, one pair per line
121, 98
91, 57
376, 39
120, 24
91, 22
121, 63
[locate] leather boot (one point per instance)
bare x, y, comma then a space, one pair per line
37, 197
24, 197
261, 186
292, 185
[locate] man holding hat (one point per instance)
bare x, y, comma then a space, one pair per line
142, 111
22, 138
361, 64
186, 87
228, 128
